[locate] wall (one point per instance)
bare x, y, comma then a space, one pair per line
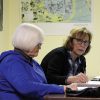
4, 40
12, 18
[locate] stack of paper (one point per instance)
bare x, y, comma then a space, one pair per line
95, 82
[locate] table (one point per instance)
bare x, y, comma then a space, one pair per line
63, 97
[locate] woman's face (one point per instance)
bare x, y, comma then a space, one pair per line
34, 52
80, 45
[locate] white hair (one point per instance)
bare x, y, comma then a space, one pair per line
27, 36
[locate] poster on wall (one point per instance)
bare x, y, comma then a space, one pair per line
57, 16
1, 15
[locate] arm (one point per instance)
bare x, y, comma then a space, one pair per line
19, 78
81, 76
55, 68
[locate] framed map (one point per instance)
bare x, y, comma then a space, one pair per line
56, 12
78, 11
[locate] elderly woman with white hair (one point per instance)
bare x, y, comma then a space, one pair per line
21, 77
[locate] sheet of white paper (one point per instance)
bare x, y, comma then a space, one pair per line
94, 82
89, 84
81, 88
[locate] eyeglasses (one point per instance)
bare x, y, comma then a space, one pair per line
39, 45
80, 41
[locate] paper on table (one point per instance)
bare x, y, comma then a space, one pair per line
97, 77
81, 88
89, 84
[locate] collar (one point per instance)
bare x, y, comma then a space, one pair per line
23, 54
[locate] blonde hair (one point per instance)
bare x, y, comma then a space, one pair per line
27, 36
81, 32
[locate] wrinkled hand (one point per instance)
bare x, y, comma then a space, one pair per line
80, 78
72, 86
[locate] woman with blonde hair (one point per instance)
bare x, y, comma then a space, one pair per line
67, 64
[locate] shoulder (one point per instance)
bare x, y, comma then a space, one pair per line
59, 50
57, 53
10, 57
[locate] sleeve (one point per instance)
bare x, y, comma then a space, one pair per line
56, 68
20, 80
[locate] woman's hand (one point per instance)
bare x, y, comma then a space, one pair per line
80, 78
72, 86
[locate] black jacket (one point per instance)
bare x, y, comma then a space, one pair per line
56, 65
